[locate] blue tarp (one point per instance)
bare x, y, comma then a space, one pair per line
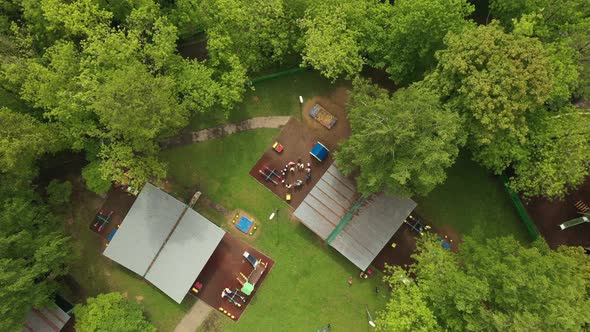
244, 224
319, 151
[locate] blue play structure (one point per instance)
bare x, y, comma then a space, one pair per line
244, 224
112, 234
319, 151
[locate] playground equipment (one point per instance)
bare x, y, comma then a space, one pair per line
245, 225
574, 222
236, 292
319, 151
248, 282
322, 116
582, 207
102, 219
105, 222
416, 224
196, 288
268, 174
231, 298
278, 147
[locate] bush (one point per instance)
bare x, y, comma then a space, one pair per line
94, 180
59, 192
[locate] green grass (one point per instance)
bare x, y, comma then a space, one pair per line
307, 287
98, 275
279, 96
472, 202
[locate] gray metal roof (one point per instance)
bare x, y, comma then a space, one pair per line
372, 227
144, 230
369, 230
164, 241
184, 255
327, 202
46, 320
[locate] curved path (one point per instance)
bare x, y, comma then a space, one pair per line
224, 130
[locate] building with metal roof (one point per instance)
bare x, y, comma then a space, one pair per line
164, 241
356, 227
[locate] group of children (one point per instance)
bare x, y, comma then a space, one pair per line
291, 167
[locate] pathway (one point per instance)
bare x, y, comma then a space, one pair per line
194, 318
224, 130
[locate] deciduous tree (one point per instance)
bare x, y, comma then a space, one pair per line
496, 81
495, 285
410, 32
33, 253
403, 142
111, 312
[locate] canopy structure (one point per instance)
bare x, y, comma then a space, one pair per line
319, 151
358, 228
164, 241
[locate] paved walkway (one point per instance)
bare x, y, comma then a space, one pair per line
224, 130
194, 318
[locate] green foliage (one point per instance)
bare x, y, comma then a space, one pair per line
59, 192
407, 311
332, 37
111, 312
94, 178
498, 285
23, 139
410, 32
558, 158
403, 142
258, 32
495, 80
33, 252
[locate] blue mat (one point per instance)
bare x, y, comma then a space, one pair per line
244, 224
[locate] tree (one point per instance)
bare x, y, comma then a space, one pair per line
111, 312
563, 22
407, 311
402, 142
331, 38
59, 192
558, 158
496, 285
413, 31
258, 31
496, 81
23, 139
33, 253
94, 178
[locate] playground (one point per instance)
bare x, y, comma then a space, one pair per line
548, 215
228, 268
297, 141
111, 214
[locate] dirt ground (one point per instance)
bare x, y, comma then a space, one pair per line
297, 140
119, 202
223, 268
547, 216
405, 240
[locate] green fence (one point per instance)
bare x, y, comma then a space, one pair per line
530, 225
279, 74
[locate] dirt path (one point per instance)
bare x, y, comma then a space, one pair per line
194, 318
224, 130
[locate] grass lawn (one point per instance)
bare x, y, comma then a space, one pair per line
472, 202
307, 287
279, 96
97, 274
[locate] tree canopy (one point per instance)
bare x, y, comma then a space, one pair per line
33, 253
494, 285
402, 143
111, 312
